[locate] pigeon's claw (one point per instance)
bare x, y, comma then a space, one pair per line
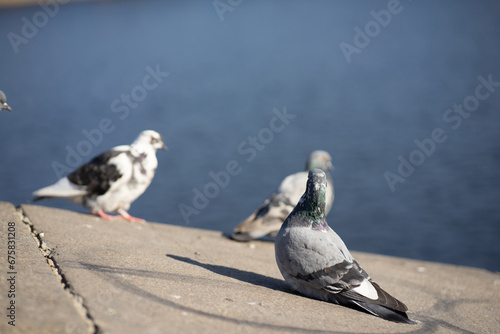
125, 215
103, 215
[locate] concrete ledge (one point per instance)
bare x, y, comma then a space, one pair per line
41, 303
119, 277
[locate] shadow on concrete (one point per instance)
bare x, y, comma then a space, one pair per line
116, 276
241, 275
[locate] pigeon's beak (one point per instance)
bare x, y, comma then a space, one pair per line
330, 165
6, 106
163, 147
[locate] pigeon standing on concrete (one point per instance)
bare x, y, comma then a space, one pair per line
112, 180
267, 219
315, 261
3, 102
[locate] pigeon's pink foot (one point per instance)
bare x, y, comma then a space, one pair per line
124, 214
103, 215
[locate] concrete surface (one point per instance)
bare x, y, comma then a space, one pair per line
121, 277
41, 303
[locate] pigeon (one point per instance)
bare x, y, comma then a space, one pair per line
314, 260
3, 102
112, 180
267, 219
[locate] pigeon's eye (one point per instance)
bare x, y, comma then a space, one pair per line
154, 140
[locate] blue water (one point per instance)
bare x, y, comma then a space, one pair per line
224, 80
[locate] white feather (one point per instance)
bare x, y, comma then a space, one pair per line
62, 188
366, 289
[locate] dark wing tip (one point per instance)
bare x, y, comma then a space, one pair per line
380, 311
385, 313
384, 299
239, 236
39, 198
389, 301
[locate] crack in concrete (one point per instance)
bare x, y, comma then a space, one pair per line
47, 253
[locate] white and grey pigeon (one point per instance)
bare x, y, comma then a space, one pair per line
269, 217
3, 102
111, 181
315, 261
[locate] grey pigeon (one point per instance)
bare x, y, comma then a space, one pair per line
315, 261
3, 102
112, 180
267, 219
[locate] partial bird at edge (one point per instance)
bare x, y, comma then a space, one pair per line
3, 102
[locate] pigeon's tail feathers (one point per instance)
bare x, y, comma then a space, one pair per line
379, 296
384, 312
39, 198
385, 306
387, 300
62, 188
260, 223
250, 229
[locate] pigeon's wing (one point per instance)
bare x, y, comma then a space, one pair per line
370, 297
99, 174
320, 262
269, 217
368, 291
293, 187
325, 263
94, 177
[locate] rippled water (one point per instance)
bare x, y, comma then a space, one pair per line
86, 71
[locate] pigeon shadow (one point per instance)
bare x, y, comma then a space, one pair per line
241, 275
119, 278
119, 281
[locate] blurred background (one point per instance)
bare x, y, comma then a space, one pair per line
364, 97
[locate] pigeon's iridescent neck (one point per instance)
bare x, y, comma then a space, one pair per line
309, 219
320, 225
310, 210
